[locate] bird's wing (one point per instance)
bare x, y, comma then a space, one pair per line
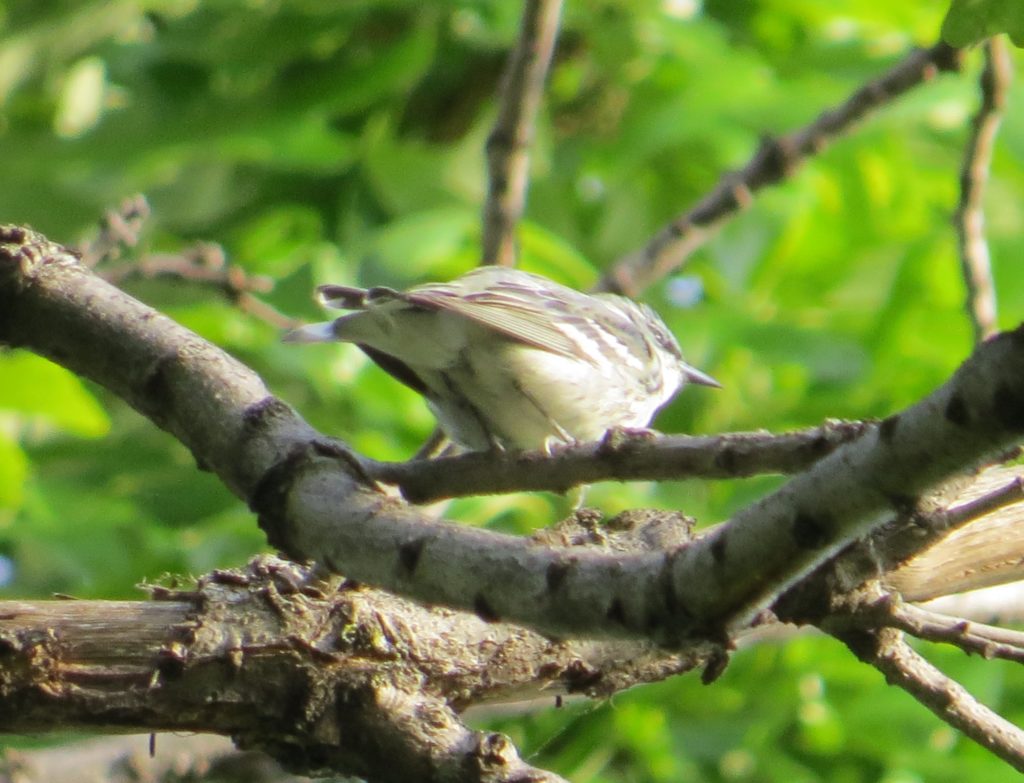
524, 307
528, 319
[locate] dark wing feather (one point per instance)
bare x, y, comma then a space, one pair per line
341, 297
396, 368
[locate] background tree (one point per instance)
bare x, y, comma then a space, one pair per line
346, 144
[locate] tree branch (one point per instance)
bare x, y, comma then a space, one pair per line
988, 641
619, 457
119, 230
204, 263
508, 146
975, 544
774, 160
970, 214
888, 652
919, 553
244, 654
314, 501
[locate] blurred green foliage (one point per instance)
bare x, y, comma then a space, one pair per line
970, 21
343, 142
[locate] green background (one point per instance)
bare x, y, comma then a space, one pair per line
343, 142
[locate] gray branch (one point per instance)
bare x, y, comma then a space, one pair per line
619, 457
970, 214
774, 161
243, 654
888, 652
315, 502
508, 145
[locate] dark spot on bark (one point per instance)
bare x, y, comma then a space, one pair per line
156, 389
14, 235
905, 505
557, 572
864, 644
579, 676
715, 666
266, 409
484, 610
811, 532
1008, 407
269, 499
654, 621
956, 411
718, 546
726, 460
170, 664
616, 612
805, 602
887, 429
409, 554
668, 590
819, 447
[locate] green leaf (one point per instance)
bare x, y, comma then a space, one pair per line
433, 244
13, 472
970, 21
545, 252
35, 386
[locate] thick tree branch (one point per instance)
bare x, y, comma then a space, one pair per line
970, 214
315, 500
775, 160
619, 457
362, 680
314, 503
508, 146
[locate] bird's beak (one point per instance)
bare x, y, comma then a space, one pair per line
693, 375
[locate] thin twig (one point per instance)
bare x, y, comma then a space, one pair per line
774, 160
895, 542
970, 215
888, 651
205, 263
119, 230
966, 547
508, 146
988, 641
670, 457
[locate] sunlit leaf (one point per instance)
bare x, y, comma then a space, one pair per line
970, 21
33, 386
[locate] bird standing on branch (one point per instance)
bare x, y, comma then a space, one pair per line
511, 360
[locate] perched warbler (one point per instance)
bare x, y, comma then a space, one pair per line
511, 360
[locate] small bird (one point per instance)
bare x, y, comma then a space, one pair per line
507, 359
